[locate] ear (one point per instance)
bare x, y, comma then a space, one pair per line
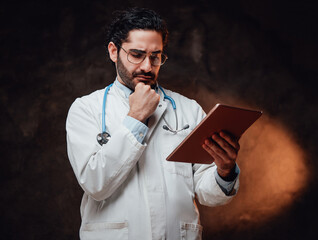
112, 49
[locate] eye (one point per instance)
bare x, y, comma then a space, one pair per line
137, 55
155, 57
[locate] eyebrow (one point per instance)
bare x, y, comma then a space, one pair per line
142, 51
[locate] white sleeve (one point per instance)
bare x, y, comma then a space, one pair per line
100, 170
207, 189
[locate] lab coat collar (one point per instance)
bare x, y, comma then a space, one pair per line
127, 91
155, 117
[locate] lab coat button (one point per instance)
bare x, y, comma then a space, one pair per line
159, 105
141, 134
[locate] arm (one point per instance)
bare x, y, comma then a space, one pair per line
100, 170
208, 191
217, 183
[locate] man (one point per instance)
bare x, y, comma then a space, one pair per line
130, 190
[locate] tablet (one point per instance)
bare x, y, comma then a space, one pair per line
222, 117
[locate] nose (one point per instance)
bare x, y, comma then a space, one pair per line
146, 65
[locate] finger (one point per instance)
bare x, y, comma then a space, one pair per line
209, 151
225, 146
153, 92
217, 150
221, 163
140, 87
233, 141
140, 84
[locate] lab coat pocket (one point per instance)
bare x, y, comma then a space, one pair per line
179, 168
105, 230
182, 169
190, 231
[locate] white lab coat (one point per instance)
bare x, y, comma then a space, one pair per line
130, 190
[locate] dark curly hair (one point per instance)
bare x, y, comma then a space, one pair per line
135, 18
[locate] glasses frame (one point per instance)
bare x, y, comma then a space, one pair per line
146, 55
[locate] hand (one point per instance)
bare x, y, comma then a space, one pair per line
223, 148
143, 102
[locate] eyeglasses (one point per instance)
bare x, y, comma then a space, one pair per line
136, 56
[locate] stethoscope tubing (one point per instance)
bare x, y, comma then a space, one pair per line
104, 108
166, 127
165, 96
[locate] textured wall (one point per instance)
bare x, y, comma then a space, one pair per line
260, 55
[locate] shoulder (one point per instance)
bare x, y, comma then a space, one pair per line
189, 108
89, 102
92, 97
182, 100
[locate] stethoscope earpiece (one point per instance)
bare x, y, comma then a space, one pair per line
165, 127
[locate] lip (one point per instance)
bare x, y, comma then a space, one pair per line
144, 79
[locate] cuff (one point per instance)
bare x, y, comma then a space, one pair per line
227, 186
137, 128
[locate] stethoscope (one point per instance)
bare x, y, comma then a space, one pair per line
104, 136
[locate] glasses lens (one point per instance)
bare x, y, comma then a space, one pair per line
163, 59
158, 59
135, 57
138, 57
155, 59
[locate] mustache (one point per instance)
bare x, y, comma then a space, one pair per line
146, 74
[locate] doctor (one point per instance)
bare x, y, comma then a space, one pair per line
130, 190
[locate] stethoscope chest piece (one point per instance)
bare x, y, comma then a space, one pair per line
102, 138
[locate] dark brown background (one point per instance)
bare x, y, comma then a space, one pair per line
260, 54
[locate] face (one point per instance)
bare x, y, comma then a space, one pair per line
130, 74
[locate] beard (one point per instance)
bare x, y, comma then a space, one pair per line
128, 77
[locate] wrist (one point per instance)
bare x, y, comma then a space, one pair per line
136, 116
228, 175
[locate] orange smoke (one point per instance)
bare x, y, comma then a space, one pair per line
273, 175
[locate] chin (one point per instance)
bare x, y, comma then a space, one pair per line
146, 82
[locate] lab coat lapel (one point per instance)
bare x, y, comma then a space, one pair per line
155, 117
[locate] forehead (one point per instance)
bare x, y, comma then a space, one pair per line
144, 40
